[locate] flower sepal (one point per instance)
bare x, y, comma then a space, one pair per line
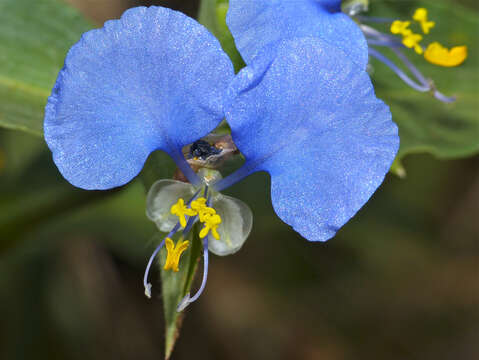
162, 195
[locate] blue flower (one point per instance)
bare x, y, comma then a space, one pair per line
152, 80
302, 110
324, 138
256, 24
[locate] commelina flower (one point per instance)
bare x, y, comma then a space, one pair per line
302, 110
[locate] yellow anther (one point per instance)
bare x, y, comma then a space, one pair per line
208, 216
439, 55
198, 204
204, 212
420, 15
211, 223
201, 208
401, 27
412, 41
179, 209
174, 253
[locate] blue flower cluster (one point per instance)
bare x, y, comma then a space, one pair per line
303, 109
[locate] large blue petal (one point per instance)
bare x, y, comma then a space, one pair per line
152, 80
258, 23
311, 119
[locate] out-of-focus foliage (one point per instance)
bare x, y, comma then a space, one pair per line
212, 14
34, 39
33, 195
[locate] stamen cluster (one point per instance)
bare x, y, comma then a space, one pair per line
435, 53
199, 207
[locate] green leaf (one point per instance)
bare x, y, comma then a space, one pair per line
175, 285
212, 14
34, 39
427, 125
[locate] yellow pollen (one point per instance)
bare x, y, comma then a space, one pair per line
174, 253
439, 55
412, 41
179, 209
420, 15
401, 27
211, 223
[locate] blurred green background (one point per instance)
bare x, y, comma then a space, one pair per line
399, 281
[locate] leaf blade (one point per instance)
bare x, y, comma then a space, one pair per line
34, 39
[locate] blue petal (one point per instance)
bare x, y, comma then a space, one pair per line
258, 23
311, 119
330, 5
152, 80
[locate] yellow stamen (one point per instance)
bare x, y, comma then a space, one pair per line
420, 15
199, 205
211, 223
401, 27
208, 216
204, 212
439, 55
179, 209
412, 41
174, 253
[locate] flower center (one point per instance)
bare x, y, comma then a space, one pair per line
206, 215
226, 220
